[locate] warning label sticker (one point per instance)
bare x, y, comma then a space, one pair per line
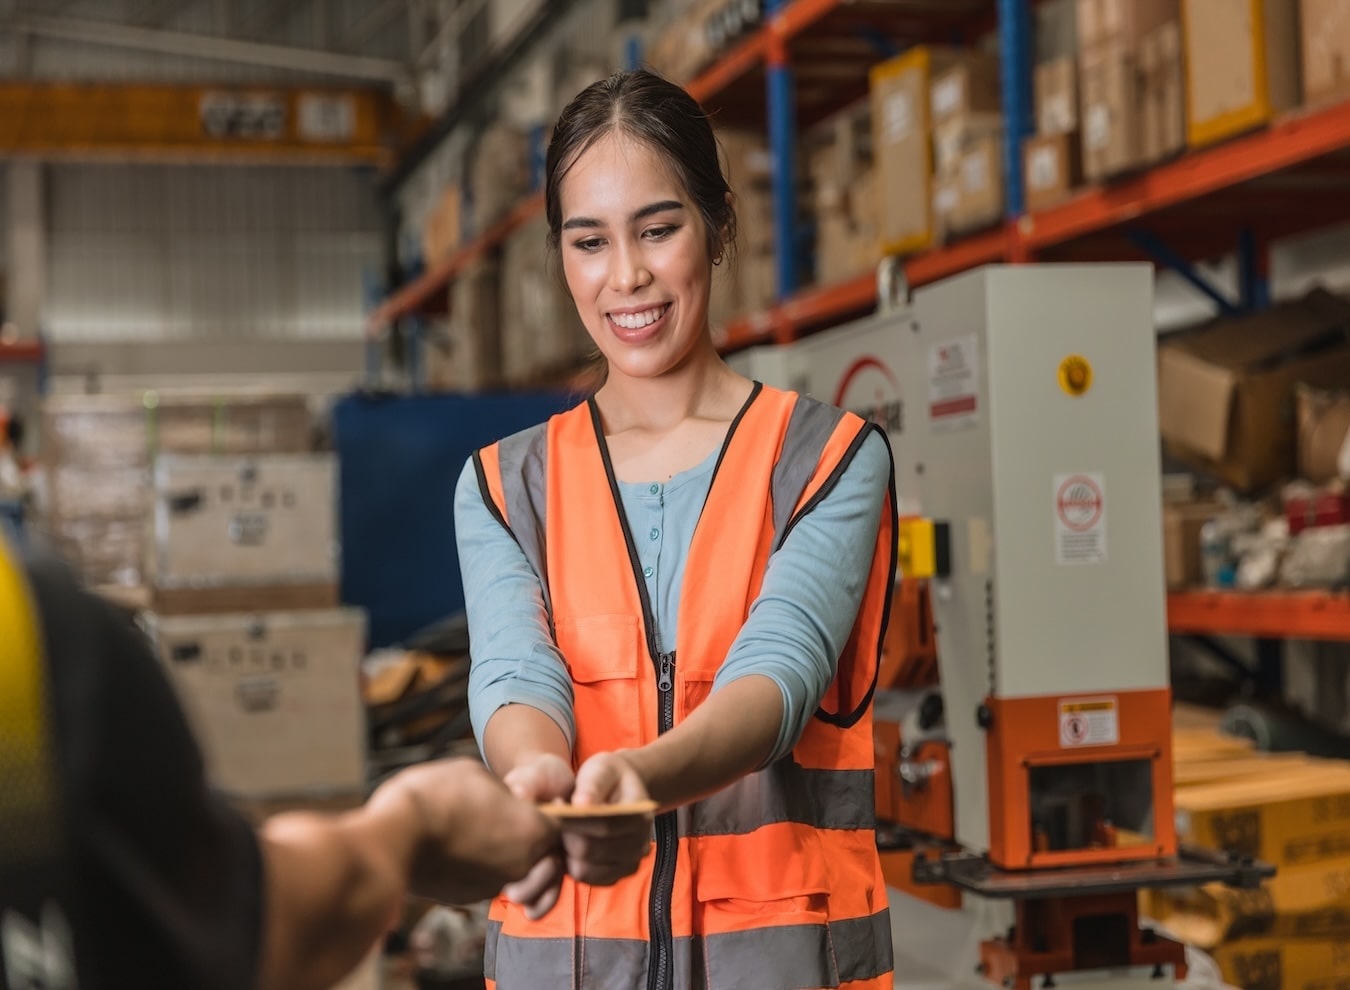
1089, 723
953, 384
1080, 518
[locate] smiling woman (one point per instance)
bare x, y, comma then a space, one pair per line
677, 591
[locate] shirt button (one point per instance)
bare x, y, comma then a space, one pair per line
654, 489
646, 572
654, 533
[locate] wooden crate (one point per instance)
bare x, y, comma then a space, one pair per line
274, 699
227, 522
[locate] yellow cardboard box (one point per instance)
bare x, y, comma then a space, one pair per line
1297, 819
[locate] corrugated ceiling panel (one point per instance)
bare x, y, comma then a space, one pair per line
146, 252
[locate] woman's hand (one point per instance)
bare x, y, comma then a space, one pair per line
540, 779
603, 851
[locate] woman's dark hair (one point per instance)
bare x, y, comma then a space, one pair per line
643, 106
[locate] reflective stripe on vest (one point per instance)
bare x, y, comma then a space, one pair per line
786, 957
780, 863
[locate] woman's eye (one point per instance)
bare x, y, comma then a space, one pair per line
661, 233
589, 244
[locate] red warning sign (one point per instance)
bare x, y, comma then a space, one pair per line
1079, 503
1080, 517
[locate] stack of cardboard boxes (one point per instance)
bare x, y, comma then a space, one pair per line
464, 353
443, 228
243, 562
843, 194
697, 32
1129, 65
1259, 404
1226, 390
1287, 810
965, 104
97, 453
1052, 158
540, 332
1242, 65
746, 283
936, 134
1325, 31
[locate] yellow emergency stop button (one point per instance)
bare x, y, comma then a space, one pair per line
1075, 375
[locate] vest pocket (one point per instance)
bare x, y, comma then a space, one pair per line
603, 653
763, 910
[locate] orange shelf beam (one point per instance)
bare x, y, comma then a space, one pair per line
1286, 144
414, 296
740, 60
1266, 614
20, 353
820, 305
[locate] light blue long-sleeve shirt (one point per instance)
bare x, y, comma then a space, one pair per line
795, 631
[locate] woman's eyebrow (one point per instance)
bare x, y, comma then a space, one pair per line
590, 223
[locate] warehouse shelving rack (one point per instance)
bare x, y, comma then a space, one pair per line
22, 352
809, 58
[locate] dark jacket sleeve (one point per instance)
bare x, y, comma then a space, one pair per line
167, 878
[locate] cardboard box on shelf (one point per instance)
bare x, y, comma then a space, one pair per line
1162, 83
1226, 390
1325, 28
972, 198
443, 228
273, 698
1181, 541
1242, 65
1121, 22
684, 45
1323, 431
1298, 819
1056, 29
1056, 86
971, 86
464, 352
901, 127
227, 522
541, 333
748, 169
953, 139
1052, 168
499, 174
1112, 118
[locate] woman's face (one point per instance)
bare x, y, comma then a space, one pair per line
635, 256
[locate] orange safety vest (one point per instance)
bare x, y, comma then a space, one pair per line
773, 882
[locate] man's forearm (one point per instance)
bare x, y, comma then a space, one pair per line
334, 886
726, 737
516, 733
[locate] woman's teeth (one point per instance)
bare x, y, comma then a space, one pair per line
636, 321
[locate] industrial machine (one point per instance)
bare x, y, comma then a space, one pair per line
1023, 717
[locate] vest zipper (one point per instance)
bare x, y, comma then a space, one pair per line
660, 967
660, 974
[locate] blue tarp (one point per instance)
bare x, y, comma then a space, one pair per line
399, 459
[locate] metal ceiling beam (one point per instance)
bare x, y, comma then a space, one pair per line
372, 22
477, 86
220, 49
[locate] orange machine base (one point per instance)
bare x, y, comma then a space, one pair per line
1073, 934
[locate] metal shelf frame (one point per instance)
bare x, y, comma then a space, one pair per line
1238, 196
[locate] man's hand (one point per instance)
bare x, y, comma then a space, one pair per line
540, 779
475, 835
603, 851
